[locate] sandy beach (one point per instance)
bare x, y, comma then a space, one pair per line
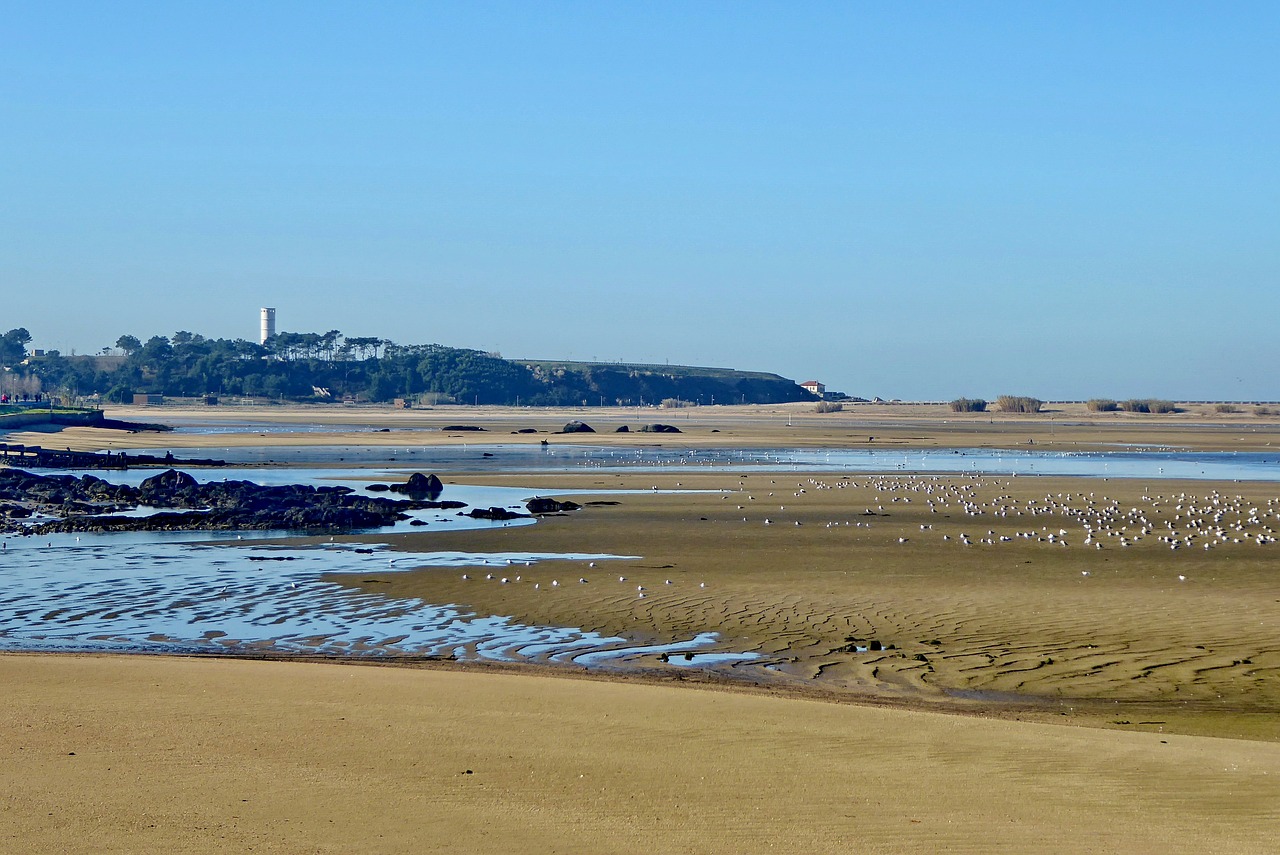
145, 754
944, 674
1067, 426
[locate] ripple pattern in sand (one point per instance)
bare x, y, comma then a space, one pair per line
135, 594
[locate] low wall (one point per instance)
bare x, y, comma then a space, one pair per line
88, 418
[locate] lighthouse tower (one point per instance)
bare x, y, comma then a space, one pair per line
268, 325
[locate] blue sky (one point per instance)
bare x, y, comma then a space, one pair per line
914, 200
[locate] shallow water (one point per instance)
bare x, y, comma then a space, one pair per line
1133, 462
473, 495
193, 592
216, 592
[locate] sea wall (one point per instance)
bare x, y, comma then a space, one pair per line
88, 418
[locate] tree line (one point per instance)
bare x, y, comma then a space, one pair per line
329, 366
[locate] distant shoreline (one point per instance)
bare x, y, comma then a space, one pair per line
1066, 427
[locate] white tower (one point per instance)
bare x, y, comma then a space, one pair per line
268, 325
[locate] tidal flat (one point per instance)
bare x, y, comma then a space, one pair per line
1068, 641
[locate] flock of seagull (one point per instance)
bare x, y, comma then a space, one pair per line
1178, 521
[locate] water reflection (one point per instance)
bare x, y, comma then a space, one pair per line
1134, 462
148, 592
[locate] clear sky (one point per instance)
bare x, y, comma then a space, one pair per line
913, 200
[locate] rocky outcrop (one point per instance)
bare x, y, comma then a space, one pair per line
542, 505
495, 514
659, 428
85, 504
578, 427
419, 486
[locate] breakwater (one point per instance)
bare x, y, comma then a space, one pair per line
37, 457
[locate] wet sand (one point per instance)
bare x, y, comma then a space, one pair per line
838, 750
1061, 427
1138, 636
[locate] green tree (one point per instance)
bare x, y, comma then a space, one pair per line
13, 346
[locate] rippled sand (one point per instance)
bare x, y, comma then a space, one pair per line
1159, 651
1119, 635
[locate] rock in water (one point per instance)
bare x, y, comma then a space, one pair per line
157, 488
420, 486
495, 514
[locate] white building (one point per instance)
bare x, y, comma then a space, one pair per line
814, 386
268, 328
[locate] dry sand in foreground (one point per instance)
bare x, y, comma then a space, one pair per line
160, 755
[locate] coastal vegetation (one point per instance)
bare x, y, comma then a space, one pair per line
968, 405
330, 366
1149, 405
1019, 404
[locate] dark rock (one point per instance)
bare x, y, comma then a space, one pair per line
190, 506
578, 427
659, 428
420, 486
448, 428
495, 514
378, 488
168, 480
623, 429
542, 505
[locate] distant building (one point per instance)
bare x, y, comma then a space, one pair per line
268, 326
148, 400
813, 386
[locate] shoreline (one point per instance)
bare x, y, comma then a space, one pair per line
795, 425
882, 582
1068, 712
1147, 719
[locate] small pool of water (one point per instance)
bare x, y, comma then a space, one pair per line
192, 592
